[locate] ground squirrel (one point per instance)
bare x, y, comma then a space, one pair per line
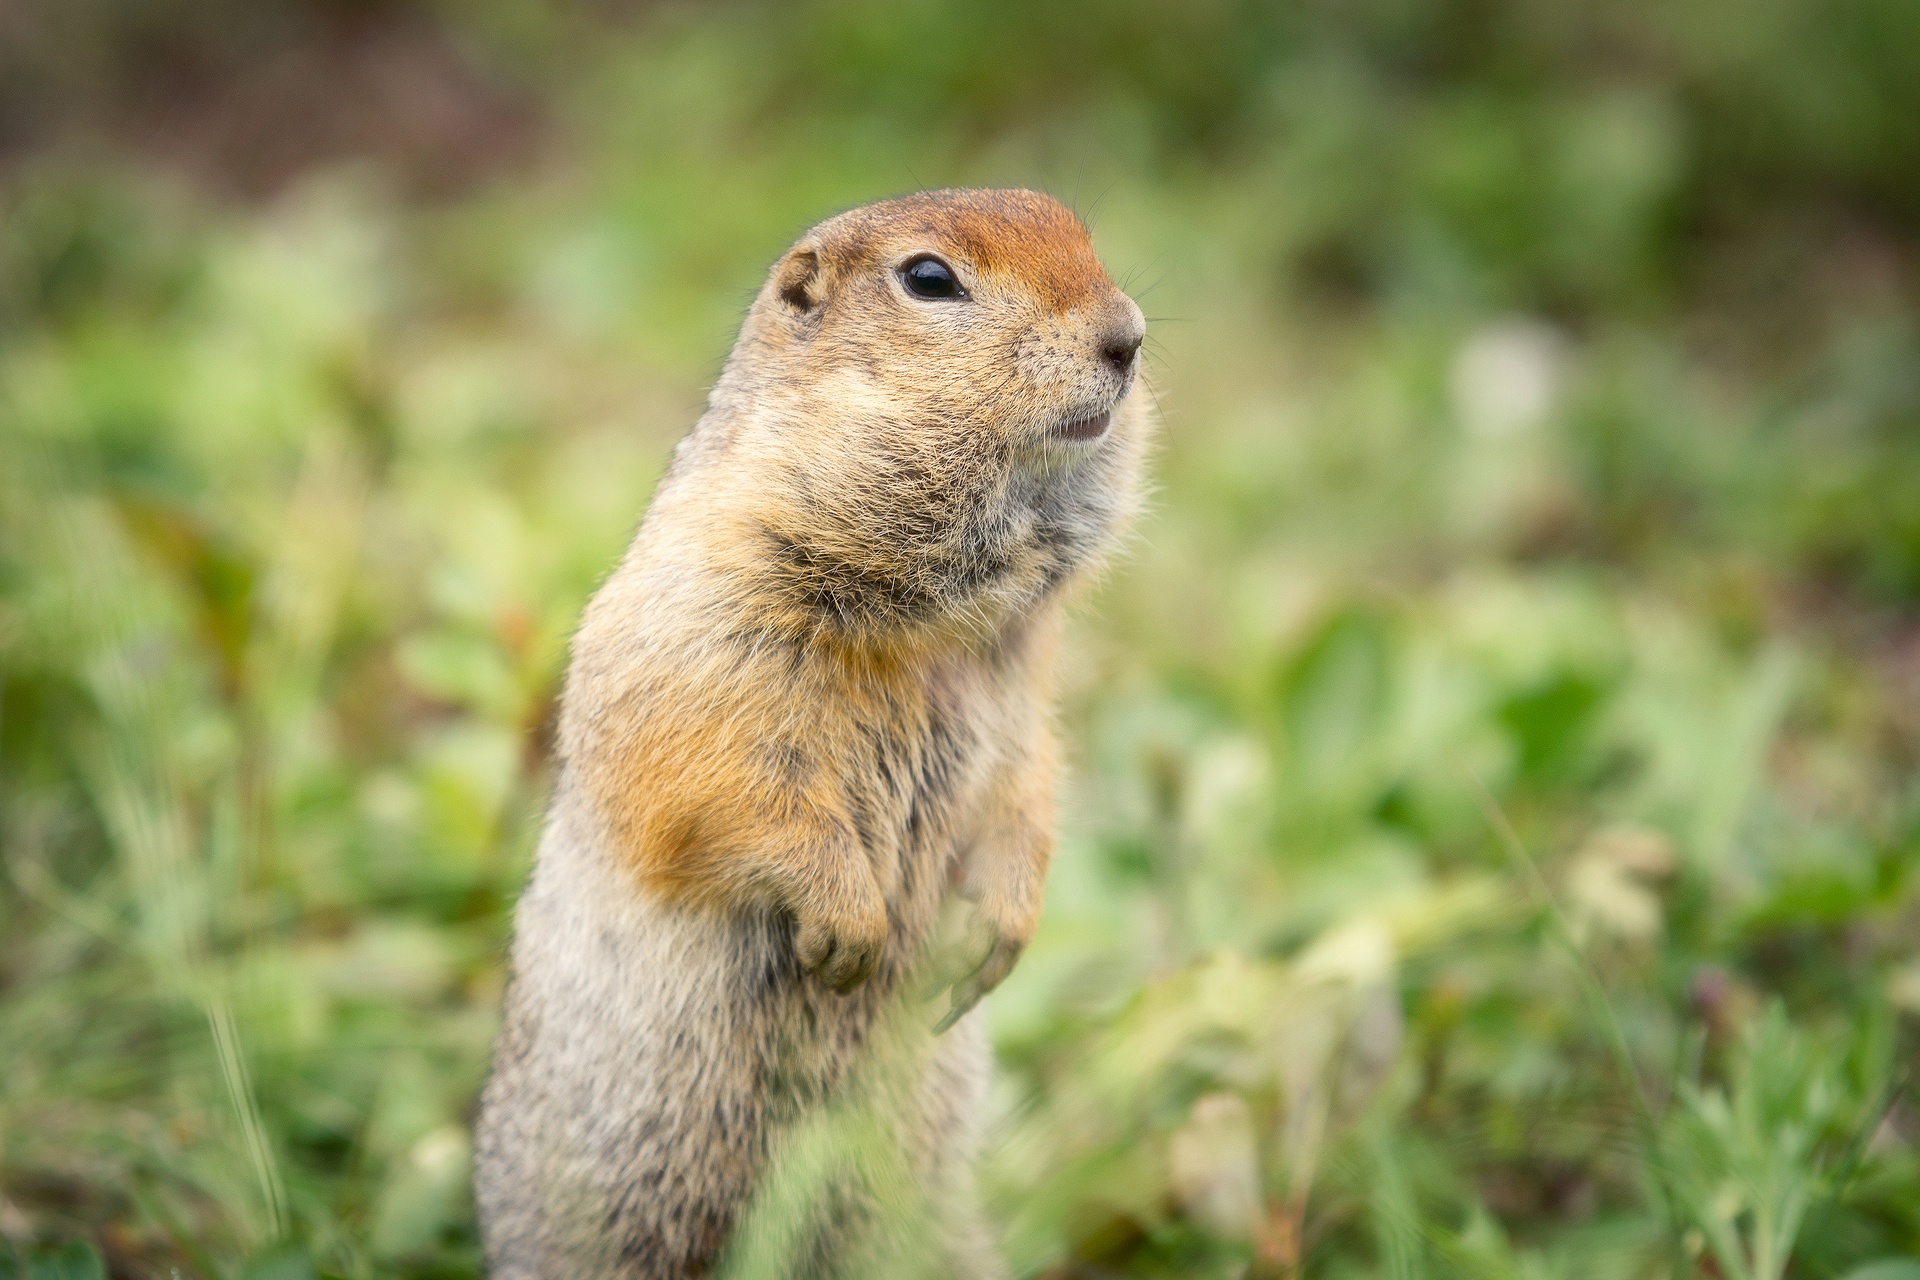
807, 714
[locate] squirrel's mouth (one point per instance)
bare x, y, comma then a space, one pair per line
1085, 428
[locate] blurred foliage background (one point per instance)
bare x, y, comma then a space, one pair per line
1493, 846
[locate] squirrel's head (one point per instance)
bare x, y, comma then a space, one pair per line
932, 410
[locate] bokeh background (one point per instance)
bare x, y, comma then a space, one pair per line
1493, 842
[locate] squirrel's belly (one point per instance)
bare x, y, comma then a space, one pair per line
667, 1005
655, 1056
664, 978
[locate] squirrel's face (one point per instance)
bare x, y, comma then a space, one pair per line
938, 394
978, 317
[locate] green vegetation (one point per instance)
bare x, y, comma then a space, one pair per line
1493, 847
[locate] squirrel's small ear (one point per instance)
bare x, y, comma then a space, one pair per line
797, 279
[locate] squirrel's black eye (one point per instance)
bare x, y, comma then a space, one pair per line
931, 278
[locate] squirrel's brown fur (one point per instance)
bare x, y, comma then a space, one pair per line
809, 705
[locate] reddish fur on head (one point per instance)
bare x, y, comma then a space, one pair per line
1020, 237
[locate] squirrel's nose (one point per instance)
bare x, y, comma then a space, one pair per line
1120, 349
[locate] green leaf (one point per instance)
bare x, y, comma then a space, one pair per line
279, 1262
1887, 1269
74, 1260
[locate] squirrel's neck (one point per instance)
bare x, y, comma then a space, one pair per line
793, 564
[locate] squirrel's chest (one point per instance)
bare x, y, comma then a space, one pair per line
923, 778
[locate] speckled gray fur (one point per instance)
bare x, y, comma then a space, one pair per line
624, 1017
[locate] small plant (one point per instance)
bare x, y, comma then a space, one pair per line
1751, 1158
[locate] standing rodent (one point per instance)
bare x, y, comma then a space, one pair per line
810, 706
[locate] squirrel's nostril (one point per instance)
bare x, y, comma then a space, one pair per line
1120, 351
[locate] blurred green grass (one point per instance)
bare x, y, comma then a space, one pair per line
1541, 400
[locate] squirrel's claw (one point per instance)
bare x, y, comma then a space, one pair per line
969, 990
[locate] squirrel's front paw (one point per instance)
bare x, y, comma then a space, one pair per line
842, 951
997, 950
